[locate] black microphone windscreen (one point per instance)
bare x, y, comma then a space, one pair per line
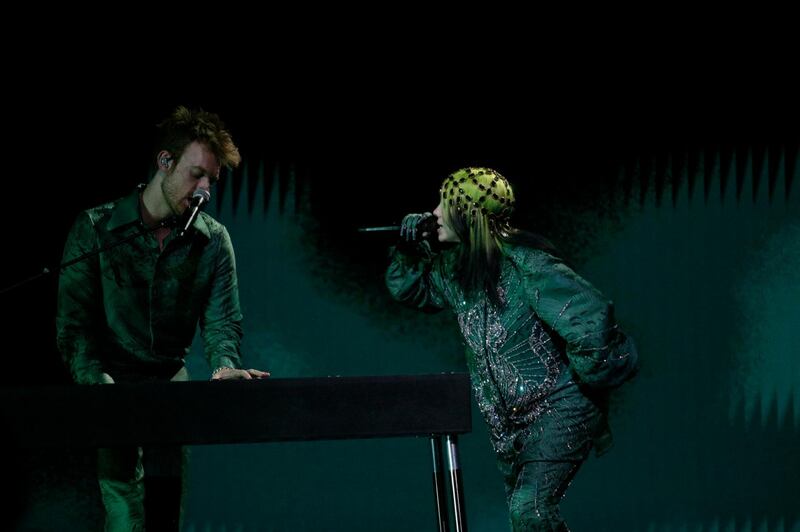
201, 196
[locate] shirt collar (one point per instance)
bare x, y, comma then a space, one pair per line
127, 212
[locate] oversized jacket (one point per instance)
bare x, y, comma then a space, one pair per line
539, 360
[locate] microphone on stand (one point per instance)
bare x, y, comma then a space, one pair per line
199, 198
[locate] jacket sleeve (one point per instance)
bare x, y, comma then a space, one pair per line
414, 278
600, 354
221, 321
79, 313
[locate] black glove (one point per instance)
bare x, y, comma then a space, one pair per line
416, 224
411, 240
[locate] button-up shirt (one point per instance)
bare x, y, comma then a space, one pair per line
135, 308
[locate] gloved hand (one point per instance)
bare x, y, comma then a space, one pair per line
418, 235
423, 224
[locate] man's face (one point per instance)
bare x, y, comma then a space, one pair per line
196, 168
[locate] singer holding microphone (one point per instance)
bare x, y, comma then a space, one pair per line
129, 314
542, 345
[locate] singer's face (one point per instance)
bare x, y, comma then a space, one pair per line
196, 168
445, 233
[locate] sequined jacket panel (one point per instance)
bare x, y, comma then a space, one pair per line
552, 332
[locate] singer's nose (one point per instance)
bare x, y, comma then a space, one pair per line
204, 183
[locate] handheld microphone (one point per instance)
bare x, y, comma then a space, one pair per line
199, 198
426, 225
381, 229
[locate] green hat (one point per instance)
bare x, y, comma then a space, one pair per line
479, 192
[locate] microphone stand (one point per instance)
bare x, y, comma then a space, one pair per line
168, 222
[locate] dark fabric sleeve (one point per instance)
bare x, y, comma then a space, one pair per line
221, 321
600, 354
414, 278
79, 314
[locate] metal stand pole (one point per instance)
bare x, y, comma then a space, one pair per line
456, 484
